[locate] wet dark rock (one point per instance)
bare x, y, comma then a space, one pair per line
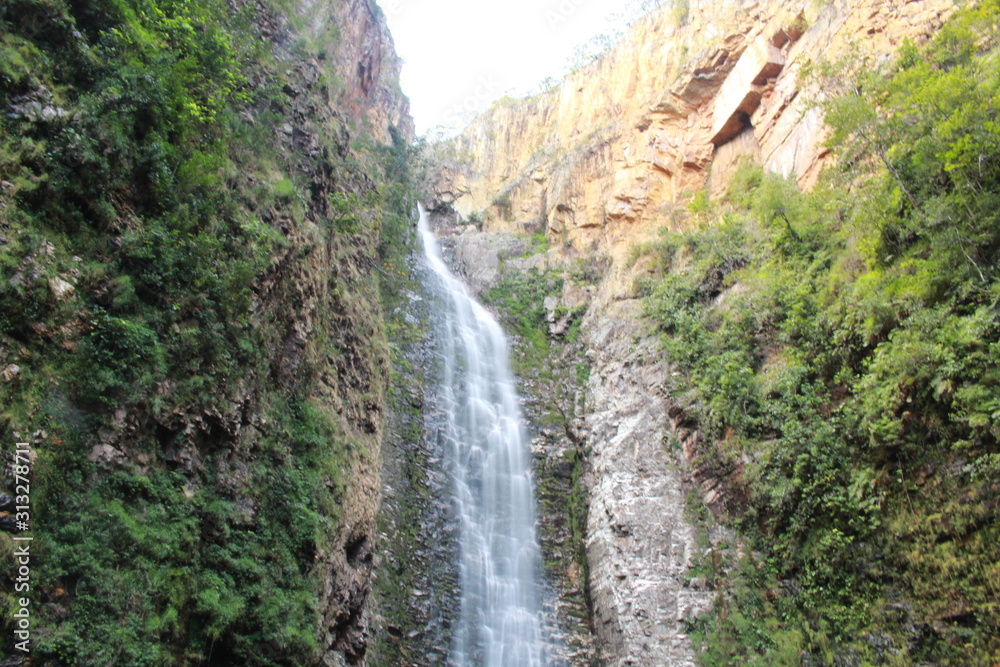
7, 523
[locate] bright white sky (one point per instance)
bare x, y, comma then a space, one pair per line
461, 55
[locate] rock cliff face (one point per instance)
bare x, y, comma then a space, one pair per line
639, 544
250, 414
597, 164
354, 38
601, 158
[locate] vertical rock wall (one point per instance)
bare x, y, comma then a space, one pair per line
349, 45
599, 163
213, 428
639, 543
599, 160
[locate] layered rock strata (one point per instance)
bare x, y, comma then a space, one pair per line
602, 161
602, 158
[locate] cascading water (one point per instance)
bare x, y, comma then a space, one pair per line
502, 622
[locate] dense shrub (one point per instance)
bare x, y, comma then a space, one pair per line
141, 186
844, 345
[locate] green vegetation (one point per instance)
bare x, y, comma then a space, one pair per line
841, 349
539, 243
159, 243
145, 557
520, 298
503, 206
553, 369
404, 512
679, 12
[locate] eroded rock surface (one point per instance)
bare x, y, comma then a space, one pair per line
599, 160
600, 163
639, 543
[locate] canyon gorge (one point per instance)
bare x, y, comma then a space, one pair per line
745, 260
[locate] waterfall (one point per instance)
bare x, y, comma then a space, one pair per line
502, 621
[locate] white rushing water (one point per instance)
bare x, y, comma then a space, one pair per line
502, 622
